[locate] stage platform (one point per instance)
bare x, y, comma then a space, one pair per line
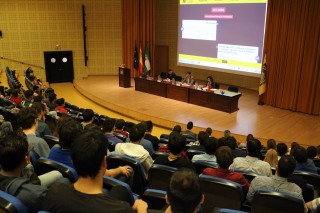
263, 122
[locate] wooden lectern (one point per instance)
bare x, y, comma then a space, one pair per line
124, 77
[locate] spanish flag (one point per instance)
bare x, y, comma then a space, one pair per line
263, 80
140, 60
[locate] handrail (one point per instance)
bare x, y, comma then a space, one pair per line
21, 62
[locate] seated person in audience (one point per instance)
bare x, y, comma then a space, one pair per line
14, 157
88, 117
251, 162
61, 106
318, 151
226, 133
68, 131
144, 142
177, 128
28, 94
119, 126
134, 149
188, 79
311, 152
282, 149
313, 205
43, 128
209, 131
210, 145
170, 75
50, 101
184, 193
293, 145
28, 120
224, 160
63, 119
303, 163
244, 145
148, 136
199, 145
36, 91
188, 131
271, 155
89, 156
210, 83
15, 98
107, 128
232, 143
5, 126
176, 145
277, 182
92, 127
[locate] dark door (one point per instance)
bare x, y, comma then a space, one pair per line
162, 59
59, 66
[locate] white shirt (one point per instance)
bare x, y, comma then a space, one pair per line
252, 164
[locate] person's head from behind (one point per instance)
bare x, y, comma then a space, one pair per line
177, 143
40, 108
209, 131
282, 149
36, 89
311, 152
52, 97
293, 146
88, 115
37, 99
210, 79
190, 125
149, 126
300, 154
119, 124
249, 137
60, 102
271, 144
177, 128
68, 131
231, 142
14, 152
286, 166
27, 117
184, 192
223, 141
227, 133
108, 125
254, 148
211, 145
88, 153
224, 157
170, 71
28, 94
15, 93
202, 137
135, 134
142, 127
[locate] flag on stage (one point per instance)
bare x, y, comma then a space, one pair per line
140, 60
135, 58
147, 66
263, 80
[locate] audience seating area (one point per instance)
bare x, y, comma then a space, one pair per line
221, 195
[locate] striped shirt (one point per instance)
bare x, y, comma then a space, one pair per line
252, 164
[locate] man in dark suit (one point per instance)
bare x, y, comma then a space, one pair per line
171, 75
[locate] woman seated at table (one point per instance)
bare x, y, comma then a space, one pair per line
210, 83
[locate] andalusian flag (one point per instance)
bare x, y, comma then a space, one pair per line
147, 66
135, 58
263, 80
140, 60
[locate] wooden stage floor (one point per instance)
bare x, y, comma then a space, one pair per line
263, 122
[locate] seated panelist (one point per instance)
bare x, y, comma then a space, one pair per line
171, 75
210, 82
188, 79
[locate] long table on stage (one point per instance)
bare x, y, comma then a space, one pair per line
227, 102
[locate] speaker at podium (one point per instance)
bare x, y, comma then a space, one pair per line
124, 77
